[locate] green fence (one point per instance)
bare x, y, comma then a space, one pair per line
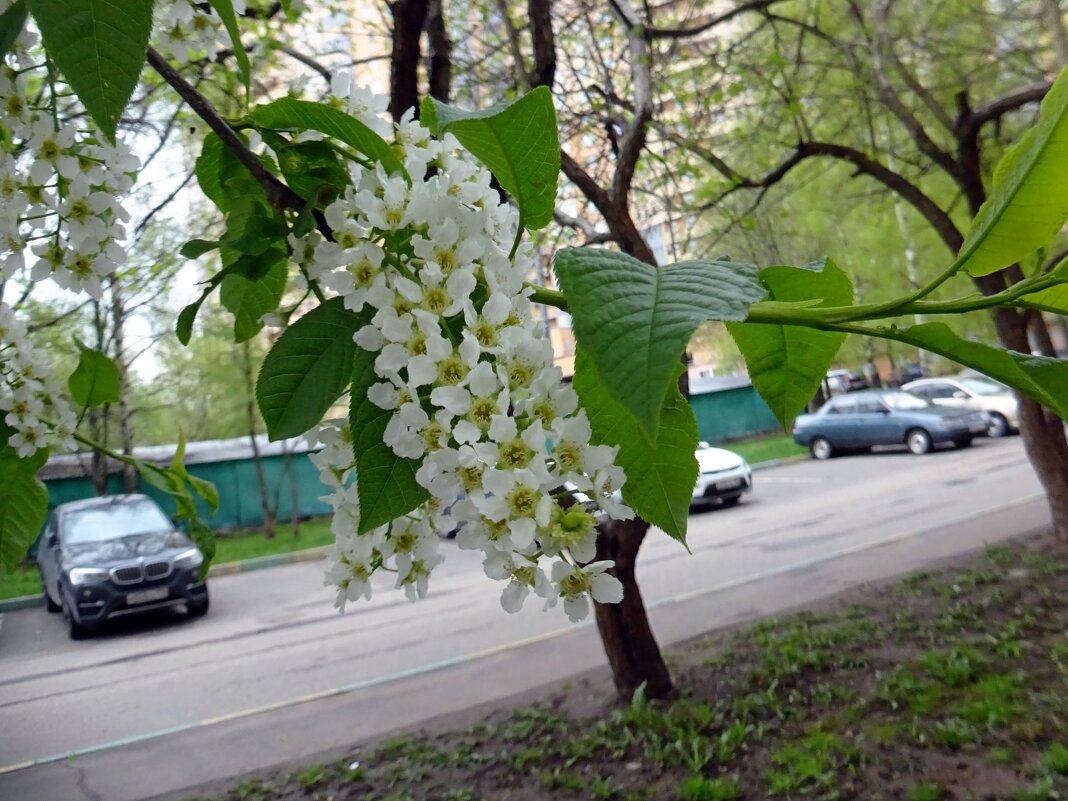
732, 414
239, 494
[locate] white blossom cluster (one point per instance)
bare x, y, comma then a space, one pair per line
468, 377
31, 397
59, 184
185, 29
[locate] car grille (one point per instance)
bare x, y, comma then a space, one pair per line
155, 570
134, 574
127, 574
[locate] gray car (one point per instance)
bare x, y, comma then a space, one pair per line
109, 557
861, 420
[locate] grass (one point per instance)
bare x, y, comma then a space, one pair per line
765, 449
875, 698
235, 547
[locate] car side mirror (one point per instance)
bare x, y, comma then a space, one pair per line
51, 539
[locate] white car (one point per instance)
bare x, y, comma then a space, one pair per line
722, 476
978, 394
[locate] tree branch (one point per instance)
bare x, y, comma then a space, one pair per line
697, 30
993, 110
278, 194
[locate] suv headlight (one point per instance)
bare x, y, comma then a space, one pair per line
189, 558
87, 575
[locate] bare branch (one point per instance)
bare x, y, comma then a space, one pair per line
307, 61
993, 110
541, 31
697, 30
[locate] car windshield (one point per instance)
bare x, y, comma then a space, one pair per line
980, 387
904, 401
106, 522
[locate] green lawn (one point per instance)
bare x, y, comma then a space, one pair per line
764, 449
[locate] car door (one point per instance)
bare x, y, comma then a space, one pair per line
944, 393
48, 555
875, 425
836, 423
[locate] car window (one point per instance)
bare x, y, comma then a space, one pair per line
106, 522
979, 387
843, 405
869, 406
939, 391
902, 401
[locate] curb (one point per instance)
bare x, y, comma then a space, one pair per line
225, 569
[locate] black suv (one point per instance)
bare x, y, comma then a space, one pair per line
107, 557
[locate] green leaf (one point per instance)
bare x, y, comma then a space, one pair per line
787, 363
308, 369
23, 502
252, 226
195, 248
204, 539
95, 381
1028, 200
1054, 299
205, 489
100, 46
249, 299
222, 178
661, 476
385, 482
635, 320
1042, 379
290, 114
12, 22
313, 171
517, 141
225, 10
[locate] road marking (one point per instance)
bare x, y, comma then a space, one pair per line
504, 647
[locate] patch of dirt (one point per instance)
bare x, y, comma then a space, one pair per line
947, 685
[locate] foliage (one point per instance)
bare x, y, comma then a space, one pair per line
411, 273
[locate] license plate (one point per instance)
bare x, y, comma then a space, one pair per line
147, 596
725, 485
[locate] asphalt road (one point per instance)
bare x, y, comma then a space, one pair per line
274, 673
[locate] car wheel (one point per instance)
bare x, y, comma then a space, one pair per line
821, 448
998, 426
731, 500
76, 630
198, 608
51, 605
918, 441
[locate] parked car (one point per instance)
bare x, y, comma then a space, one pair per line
968, 392
841, 381
860, 420
722, 476
108, 557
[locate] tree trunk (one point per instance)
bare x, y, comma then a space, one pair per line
261, 478
1042, 431
409, 19
98, 416
118, 323
633, 653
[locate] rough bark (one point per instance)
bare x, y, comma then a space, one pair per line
409, 19
1041, 430
98, 416
257, 461
440, 52
118, 341
633, 653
